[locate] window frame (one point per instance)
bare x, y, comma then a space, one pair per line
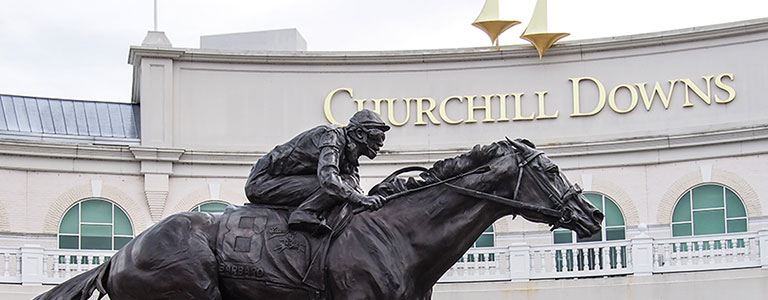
724, 208
80, 223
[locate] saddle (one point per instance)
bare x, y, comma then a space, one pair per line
255, 243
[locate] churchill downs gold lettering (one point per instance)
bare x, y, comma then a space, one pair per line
539, 105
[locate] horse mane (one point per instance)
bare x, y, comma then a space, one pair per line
478, 156
446, 168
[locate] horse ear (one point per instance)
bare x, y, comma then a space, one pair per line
527, 142
519, 146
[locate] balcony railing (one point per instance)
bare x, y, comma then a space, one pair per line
33, 265
642, 255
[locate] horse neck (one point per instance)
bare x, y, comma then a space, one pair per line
435, 227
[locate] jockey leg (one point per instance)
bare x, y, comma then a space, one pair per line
307, 217
281, 190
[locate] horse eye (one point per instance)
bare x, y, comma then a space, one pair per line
553, 169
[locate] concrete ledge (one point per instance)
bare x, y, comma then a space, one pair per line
744, 284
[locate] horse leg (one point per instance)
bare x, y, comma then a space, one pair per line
170, 260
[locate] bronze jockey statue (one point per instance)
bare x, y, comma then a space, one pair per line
317, 170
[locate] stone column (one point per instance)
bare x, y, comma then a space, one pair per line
642, 252
32, 265
762, 237
519, 262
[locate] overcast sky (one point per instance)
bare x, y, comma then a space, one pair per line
78, 49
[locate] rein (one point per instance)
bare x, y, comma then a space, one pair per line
481, 169
563, 213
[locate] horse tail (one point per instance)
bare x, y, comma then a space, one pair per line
79, 287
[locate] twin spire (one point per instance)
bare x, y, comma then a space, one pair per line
536, 32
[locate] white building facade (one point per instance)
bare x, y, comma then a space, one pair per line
666, 132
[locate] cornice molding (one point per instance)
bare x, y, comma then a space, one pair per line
565, 51
156, 154
716, 144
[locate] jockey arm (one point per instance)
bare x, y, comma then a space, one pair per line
330, 179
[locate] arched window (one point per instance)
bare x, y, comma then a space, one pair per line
95, 224
613, 226
211, 207
709, 209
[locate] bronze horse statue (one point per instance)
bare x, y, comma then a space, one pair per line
397, 252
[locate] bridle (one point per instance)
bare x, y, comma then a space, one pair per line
562, 212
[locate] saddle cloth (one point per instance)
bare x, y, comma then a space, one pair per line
254, 243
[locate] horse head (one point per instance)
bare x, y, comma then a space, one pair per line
540, 192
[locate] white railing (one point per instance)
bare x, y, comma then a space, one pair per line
639, 256
581, 260
482, 264
61, 264
34, 265
10, 265
726, 251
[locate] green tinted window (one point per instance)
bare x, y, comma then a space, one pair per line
94, 224
595, 199
68, 242
708, 222
70, 221
683, 209
612, 234
96, 211
121, 241
739, 225
715, 210
735, 207
122, 224
213, 207
684, 229
96, 230
613, 215
707, 196
563, 237
485, 240
95, 243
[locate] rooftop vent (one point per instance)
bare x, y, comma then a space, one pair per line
270, 40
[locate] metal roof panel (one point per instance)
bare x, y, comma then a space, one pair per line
116, 120
45, 116
105, 124
33, 115
68, 117
21, 113
57, 116
129, 121
3, 121
70, 121
10, 113
92, 118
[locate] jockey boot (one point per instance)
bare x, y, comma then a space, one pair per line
308, 221
307, 218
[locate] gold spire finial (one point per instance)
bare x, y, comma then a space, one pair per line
536, 32
489, 21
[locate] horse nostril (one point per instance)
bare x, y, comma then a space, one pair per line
597, 215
